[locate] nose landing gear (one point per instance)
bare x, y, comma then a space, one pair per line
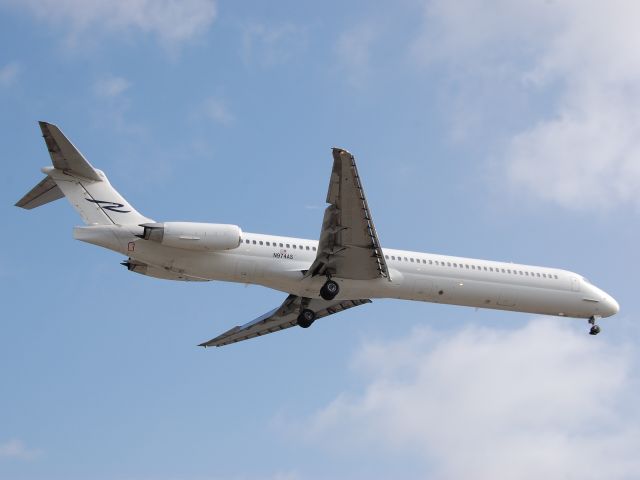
595, 328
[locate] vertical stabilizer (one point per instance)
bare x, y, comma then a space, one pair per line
87, 188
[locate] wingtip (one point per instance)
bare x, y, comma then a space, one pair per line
338, 152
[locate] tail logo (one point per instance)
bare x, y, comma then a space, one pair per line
111, 206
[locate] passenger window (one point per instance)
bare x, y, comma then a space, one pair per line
281, 245
314, 248
538, 274
405, 259
430, 262
268, 244
411, 260
288, 246
307, 247
246, 241
556, 277
491, 269
254, 242
448, 264
294, 246
502, 269
260, 242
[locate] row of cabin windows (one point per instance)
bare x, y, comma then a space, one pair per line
282, 245
474, 267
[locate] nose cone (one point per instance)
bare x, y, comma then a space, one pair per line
611, 307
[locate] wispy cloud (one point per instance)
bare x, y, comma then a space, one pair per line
216, 109
170, 21
540, 401
353, 48
271, 45
582, 151
9, 74
16, 449
111, 86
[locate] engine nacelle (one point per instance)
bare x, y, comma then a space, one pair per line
193, 236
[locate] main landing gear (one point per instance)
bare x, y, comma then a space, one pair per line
306, 318
329, 290
595, 328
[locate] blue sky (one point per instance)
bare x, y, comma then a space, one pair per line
501, 130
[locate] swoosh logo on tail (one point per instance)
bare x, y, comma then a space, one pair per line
111, 206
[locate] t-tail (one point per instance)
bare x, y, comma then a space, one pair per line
86, 187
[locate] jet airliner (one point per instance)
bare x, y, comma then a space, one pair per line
346, 267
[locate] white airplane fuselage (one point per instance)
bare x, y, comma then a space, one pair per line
279, 262
345, 268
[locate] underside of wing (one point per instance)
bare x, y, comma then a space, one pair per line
349, 246
285, 316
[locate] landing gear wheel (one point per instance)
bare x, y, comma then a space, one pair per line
595, 328
329, 290
306, 318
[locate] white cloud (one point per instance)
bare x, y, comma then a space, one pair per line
583, 152
111, 86
354, 51
272, 45
542, 401
172, 21
16, 449
9, 74
216, 109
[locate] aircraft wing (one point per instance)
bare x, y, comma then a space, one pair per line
285, 316
349, 245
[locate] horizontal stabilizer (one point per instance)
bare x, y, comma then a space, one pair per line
64, 155
44, 192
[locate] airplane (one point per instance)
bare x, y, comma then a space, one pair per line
345, 268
